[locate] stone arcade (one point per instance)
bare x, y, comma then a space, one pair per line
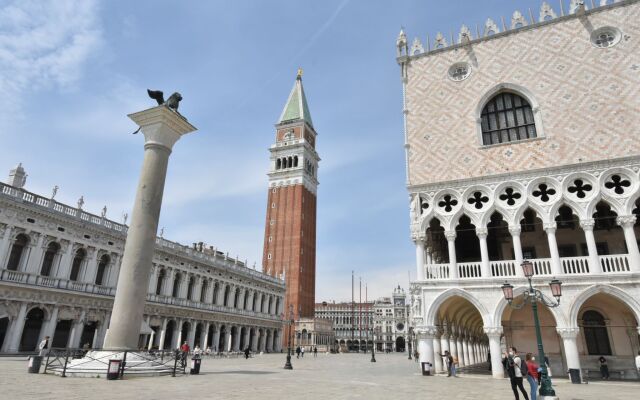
523, 142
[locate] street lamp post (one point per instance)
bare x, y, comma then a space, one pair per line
534, 296
287, 364
373, 348
409, 334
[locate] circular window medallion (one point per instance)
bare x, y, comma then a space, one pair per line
400, 326
459, 71
605, 37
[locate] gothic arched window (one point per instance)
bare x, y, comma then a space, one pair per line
160, 281
76, 265
176, 285
102, 269
507, 117
595, 333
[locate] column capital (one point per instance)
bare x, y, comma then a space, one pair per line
419, 239
587, 224
515, 230
450, 235
426, 332
482, 233
493, 331
626, 221
550, 227
568, 333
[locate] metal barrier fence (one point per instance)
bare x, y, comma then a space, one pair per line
174, 360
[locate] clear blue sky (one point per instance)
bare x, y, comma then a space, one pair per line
70, 71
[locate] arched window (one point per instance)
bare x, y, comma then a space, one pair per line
192, 281
102, 269
278, 163
295, 161
246, 299
160, 281
17, 250
255, 302
203, 291
507, 117
236, 297
176, 285
226, 296
49, 257
595, 333
216, 289
290, 162
76, 265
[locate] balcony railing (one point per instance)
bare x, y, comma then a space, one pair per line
611, 264
65, 284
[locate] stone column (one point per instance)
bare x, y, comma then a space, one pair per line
163, 334
204, 337
460, 347
437, 359
227, 340
162, 128
5, 245
216, 339
485, 269
153, 280
556, 267
594, 261
114, 271
152, 336
515, 231
419, 259
425, 344
15, 333
167, 285
627, 222
246, 337
50, 327
177, 335
569, 336
453, 347
494, 334
91, 267
236, 346
451, 245
35, 256
76, 331
104, 327
191, 339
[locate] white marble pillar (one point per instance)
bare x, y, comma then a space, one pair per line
587, 226
167, 285
152, 337
515, 231
556, 267
104, 326
420, 259
227, 340
485, 268
425, 345
50, 327
204, 337
177, 334
216, 339
5, 245
451, 246
569, 336
627, 222
494, 334
15, 333
153, 280
460, 347
163, 333
76, 331
191, 338
91, 267
453, 346
246, 338
162, 128
437, 359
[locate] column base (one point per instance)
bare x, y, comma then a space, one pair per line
95, 363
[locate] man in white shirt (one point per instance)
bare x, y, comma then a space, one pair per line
43, 346
638, 364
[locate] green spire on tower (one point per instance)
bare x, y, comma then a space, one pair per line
296, 107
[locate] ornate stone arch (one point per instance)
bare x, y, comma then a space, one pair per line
425, 222
615, 207
501, 305
507, 87
432, 311
540, 213
616, 292
577, 209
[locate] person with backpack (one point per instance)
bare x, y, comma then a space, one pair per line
517, 369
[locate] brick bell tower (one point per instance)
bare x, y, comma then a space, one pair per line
290, 229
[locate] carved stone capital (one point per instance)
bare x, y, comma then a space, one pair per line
626, 221
515, 230
587, 224
426, 332
482, 233
450, 235
550, 227
568, 333
493, 331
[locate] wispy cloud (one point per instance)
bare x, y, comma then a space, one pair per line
44, 44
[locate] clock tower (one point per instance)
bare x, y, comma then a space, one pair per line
290, 228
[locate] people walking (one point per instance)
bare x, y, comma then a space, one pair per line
517, 369
247, 353
533, 376
604, 368
454, 367
448, 361
315, 351
44, 346
302, 352
184, 349
298, 352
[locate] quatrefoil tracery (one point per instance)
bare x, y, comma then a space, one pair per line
447, 202
478, 200
544, 192
580, 188
510, 196
617, 183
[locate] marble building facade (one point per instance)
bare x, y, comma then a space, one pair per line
58, 273
522, 142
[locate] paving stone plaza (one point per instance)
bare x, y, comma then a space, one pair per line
342, 376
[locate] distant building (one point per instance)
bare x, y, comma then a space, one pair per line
391, 322
314, 332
